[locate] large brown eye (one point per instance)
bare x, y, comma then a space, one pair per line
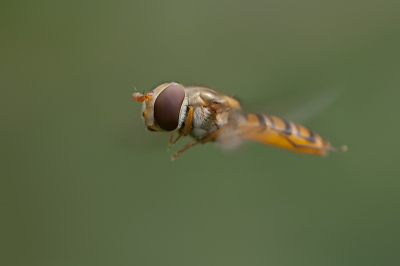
167, 107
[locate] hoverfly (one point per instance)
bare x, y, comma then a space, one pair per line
208, 116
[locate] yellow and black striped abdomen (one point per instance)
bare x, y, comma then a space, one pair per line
272, 130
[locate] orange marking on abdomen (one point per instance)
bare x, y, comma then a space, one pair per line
293, 128
252, 119
278, 123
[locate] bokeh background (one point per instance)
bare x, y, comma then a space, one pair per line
83, 183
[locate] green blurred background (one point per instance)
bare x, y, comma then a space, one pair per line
83, 183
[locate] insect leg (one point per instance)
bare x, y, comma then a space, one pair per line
211, 137
187, 146
188, 122
185, 131
171, 140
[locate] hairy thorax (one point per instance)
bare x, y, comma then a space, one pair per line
204, 122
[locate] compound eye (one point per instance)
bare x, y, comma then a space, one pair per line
168, 106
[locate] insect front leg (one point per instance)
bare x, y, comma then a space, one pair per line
171, 140
187, 146
185, 131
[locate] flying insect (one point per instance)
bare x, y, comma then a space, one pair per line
208, 116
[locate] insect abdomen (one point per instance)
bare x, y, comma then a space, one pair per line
272, 130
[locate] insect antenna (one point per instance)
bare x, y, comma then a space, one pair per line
137, 90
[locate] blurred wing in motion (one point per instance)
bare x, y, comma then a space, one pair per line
274, 131
300, 108
312, 107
